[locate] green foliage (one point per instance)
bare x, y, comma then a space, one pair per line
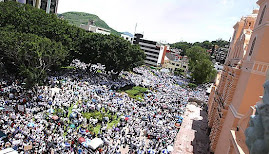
200, 66
192, 85
78, 18
58, 111
96, 129
137, 93
95, 115
30, 54
184, 46
33, 42
113, 123
179, 71
69, 67
112, 51
220, 42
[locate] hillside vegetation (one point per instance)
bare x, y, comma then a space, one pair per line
78, 18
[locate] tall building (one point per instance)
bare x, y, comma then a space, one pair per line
50, 6
155, 52
241, 83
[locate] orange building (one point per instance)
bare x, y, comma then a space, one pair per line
240, 84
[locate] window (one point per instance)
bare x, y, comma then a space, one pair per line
252, 46
263, 11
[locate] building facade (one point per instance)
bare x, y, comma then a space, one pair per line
50, 6
90, 27
174, 61
241, 83
155, 53
221, 54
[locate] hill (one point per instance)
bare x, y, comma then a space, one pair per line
78, 18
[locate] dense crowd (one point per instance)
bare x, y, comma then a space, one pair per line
149, 125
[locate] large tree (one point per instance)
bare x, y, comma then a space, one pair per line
27, 19
183, 46
200, 66
110, 50
29, 55
114, 52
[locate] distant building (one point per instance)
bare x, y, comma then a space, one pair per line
127, 37
50, 6
221, 54
155, 53
90, 27
173, 60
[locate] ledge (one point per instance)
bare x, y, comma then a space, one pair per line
237, 148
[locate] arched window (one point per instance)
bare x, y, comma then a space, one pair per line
263, 11
252, 46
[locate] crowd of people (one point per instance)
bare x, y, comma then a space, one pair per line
51, 118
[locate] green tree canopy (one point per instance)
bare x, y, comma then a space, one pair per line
200, 66
30, 55
184, 46
114, 52
39, 41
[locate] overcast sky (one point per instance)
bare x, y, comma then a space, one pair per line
167, 20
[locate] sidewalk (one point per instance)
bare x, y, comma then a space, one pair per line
192, 137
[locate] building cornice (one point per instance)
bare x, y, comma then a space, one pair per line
260, 2
235, 113
261, 26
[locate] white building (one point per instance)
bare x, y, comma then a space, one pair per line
127, 37
91, 28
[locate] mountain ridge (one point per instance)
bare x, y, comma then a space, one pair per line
78, 18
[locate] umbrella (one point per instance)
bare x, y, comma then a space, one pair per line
177, 125
144, 118
165, 151
159, 116
180, 121
179, 117
117, 129
50, 103
72, 126
2, 134
76, 92
31, 124
75, 121
67, 144
50, 110
126, 118
55, 117
122, 117
151, 151
160, 123
170, 148
73, 115
86, 143
81, 139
